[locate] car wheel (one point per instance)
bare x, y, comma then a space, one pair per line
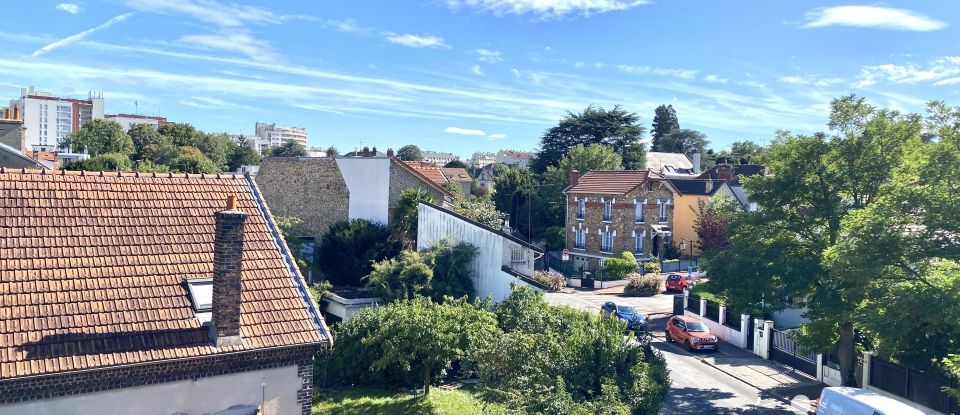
667, 337
689, 346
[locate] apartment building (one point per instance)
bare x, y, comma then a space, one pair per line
609, 212
439, 159
272, 135
48, 118
514, 158
479, 160
127, 121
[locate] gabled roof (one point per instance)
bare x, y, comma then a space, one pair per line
612, 182
426, 170
16, 158
696, 186
456, 174
657, 161
93, 271
482, 226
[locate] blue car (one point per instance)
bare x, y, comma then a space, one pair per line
635, 321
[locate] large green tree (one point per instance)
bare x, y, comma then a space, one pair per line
349, 248
242, 154
181, 134
99, 137
581, 158
403, 220
410, 152
816, 183
289, 149
144, 135
616, 128
513, 190
664, 122
684, 141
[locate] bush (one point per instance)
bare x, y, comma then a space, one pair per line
400, 278
347, 251
642, 285
617, 268
652, 266
553, 280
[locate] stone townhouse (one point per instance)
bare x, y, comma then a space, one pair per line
609, 212
149, 294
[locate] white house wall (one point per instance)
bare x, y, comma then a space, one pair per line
368, 180
488, 277
193, 397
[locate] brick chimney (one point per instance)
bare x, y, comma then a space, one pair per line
574, 177
725, 172
389, 152
366, 152
373, 151
227, 267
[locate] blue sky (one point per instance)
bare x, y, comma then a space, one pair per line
481, 75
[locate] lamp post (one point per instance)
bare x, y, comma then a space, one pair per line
683, 246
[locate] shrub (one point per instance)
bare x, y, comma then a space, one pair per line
652, 266
347, 251
642, 285
441, 271
400, 278
617, 268
553, 280
452, 274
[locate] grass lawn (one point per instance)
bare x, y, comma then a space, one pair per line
370, 401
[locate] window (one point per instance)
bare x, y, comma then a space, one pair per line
517, 256
581, 208
638, 209
663, 210
649, 186
201, 296
608, 210
606, 243
580, 238
638, 244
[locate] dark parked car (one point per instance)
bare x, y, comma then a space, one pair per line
635, 321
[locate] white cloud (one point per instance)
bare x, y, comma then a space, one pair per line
872, 17
346, 26
679, 73
476, 70
715, 79
940, 71
240, 41
464, 131
79, 36
515, 72
69, 8
417, 41
489, 56
810, 80
547, 9
499, 136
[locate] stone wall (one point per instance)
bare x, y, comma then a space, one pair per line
402, 179
11, 134
623, 221
311, 189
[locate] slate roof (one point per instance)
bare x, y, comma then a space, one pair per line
696, 186
738, 170
93, 270
612, 182
456, 174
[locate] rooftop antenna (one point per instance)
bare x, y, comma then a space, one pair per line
136, 106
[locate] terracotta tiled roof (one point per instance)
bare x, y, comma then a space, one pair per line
613, 182
93, 271
456, 174
431, 172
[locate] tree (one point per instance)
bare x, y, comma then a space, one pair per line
452, 273
480, 210
103, 162
711, 224
748, 150
144, 135
441, 271
192, 160
595, 125
332, 151
952, 364
422, 333
242, 154
99, 137
552, 209
513, 190
181, 134
161, 153
410, 152
403, 220
817, 183
349, 248
289, 149
455, 164
664, 122
683, 141
401, 278
218, 148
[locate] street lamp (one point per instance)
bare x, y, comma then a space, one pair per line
683, 246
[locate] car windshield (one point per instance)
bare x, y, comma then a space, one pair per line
673, 277
625, 309
697, 326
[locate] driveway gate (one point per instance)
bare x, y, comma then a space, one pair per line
784, 350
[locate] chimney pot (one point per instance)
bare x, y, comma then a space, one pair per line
389, 152
227, 270
366, 152
574, 177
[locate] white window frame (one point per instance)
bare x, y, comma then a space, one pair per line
608, 210
662, 212
638, 210
605, 236
581, 208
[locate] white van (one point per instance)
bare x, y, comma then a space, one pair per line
856, 401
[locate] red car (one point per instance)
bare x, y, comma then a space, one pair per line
679, 282
691, 332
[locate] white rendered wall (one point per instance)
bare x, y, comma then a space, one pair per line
203, 396
368, 180
494, 250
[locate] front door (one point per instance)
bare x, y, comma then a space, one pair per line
655, 248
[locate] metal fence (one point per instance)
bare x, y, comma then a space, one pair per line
678, 266
712, 311
693, 303
731, 318
923, 388
785, 350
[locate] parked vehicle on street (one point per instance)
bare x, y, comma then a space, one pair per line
855, 401
691, 333
679, 282
636, 321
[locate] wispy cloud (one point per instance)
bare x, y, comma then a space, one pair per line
346, 26
488, 56
940, 71
240, 41
79, 36
547, 9
416, 41
69, 8
871, 17
810, 80
716, 79
464, 131
679, 73
214, 103
476, 70
499, 136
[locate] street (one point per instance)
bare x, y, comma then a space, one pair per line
696, 387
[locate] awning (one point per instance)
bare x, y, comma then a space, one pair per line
659, 228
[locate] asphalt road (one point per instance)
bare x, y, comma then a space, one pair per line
695, 387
